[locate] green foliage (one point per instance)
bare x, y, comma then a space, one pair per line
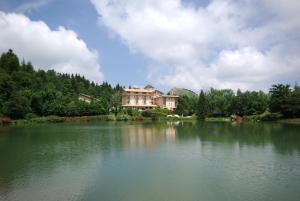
131, 112
249, 103
202, 106
9, 62
115, 102
111, 117
17, 106
219, 102
155, 113
122, 117
268, 116
49, 119
186, 105
25, 93
279, 94
24, 90
292, 106
31, 116
285, 100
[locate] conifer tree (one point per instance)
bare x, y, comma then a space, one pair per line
202, 106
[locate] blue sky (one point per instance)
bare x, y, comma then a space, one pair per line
172, 43
118, 64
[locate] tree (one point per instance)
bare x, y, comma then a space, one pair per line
9, 61
279, 95
17, 106
291, 108
202, 106
115, 102
220, 102
183, 107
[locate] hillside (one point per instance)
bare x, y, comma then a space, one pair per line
182, 92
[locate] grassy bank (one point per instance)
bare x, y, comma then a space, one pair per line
217, 119
122, 117
290, 121
111, 117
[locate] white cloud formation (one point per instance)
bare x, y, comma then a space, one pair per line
31, 5
59, 49
247, 44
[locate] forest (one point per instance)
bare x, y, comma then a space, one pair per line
27, 93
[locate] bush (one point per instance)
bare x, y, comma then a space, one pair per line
267, 116
30, 116
48, 119
155, 113
111, 117
138, 118
131, 112
122, 117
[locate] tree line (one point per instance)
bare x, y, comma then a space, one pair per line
29, 92
280, 101
25, 92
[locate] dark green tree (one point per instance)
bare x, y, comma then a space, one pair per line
279, 96
202, 106
17, 106
9, 61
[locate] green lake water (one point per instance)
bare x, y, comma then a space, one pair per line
118, 161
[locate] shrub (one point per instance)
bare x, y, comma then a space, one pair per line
30, 116
138, 118
48, 119
122, 117
155, 113
267, 116
111, 117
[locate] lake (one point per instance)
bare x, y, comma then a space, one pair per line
166, 161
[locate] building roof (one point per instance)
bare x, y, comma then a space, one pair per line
139, 90
148, 87
170, 96
85, 95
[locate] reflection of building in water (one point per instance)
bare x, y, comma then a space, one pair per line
141, 136
171, 133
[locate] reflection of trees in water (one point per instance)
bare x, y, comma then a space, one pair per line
46, 147
284, 137
42, 148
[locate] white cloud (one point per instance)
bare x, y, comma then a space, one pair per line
246, 44
59, 49
31, 6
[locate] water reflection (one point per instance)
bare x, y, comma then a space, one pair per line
86, 156
147, 136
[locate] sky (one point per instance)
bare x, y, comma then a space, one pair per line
194, 44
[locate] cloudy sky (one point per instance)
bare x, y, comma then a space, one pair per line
246, 44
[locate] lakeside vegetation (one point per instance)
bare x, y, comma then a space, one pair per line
35, 96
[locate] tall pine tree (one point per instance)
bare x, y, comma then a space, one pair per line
202, 106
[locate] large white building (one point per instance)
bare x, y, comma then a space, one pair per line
147, 98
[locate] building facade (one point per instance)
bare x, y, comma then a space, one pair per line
85, 98
147, 98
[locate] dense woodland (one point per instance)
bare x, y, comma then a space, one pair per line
27, 93
280, 101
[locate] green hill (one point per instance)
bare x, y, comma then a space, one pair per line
182, 92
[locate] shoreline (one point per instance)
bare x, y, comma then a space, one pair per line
127, 118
